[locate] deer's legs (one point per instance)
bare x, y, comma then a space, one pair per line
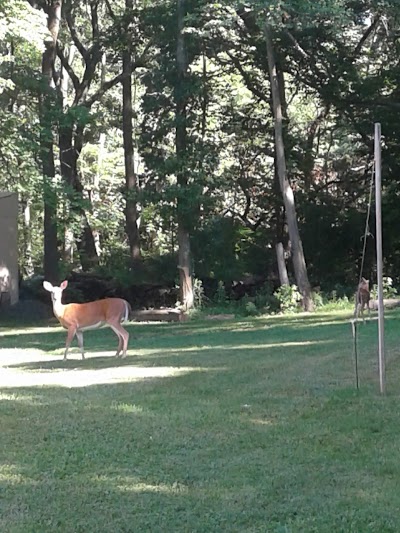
123, 338
79, 336
70, 335
120, 344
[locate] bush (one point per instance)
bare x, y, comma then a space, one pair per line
220, 298
265, 298
251, 309
338, 304
318, 300
198, 293
289, 298
388, 290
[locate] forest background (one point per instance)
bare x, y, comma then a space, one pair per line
201, 147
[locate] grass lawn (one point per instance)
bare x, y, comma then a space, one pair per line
249, 425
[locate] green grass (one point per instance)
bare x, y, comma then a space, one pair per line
249, 425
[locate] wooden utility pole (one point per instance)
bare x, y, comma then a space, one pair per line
379, 261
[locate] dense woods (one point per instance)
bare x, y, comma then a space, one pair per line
202, 145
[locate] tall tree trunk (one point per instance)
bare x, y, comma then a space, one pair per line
70, 138
185, 275
131, 184
280, 257
27, 236
95, 195
299, 263
70, 143
48, 97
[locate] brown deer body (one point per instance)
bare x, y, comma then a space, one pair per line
77, 318
362, 298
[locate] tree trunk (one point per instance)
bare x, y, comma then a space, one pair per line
70, 135
50, 261
131, 184
27, 236
70, 146
280, 257
185, 275
299, 263
95, 195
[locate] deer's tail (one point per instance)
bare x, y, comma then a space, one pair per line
128, 312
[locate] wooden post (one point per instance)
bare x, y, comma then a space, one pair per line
379, 261
355, 352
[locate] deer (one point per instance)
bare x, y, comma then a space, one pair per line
362, 298
79, 317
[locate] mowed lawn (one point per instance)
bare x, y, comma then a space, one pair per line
232, 426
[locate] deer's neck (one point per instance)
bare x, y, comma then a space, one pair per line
58, 308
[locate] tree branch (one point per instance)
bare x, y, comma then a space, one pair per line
74, 34
384, 102
365, 36
67, 66
114, 81
250, 84
95, 21
110, 10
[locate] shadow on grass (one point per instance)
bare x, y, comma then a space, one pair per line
221, 451
128, 457
278, 341
52, 338
262, 433
90, 362
195, 356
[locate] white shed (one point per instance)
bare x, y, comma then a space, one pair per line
8, 248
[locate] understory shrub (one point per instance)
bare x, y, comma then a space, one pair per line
288, 297
388, 290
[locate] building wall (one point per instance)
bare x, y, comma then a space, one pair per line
8, 248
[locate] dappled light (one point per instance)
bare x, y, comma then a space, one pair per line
76, 377
262, 421
133, 484
224, 424
127, 408
11, 475
28, 399
11, 332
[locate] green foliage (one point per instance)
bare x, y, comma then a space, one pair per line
288, 297
389, 291
251, 308
220, 297
21, 23
265, 299
338, 304
224, 249
318, 300
158, 270
198, 293
231, 201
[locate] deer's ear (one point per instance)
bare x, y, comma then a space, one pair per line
48, 286
64, 285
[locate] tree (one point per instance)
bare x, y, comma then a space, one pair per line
180, 92
22, 33
299, 262
131, 181
87, 92
208, 133
48, 101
